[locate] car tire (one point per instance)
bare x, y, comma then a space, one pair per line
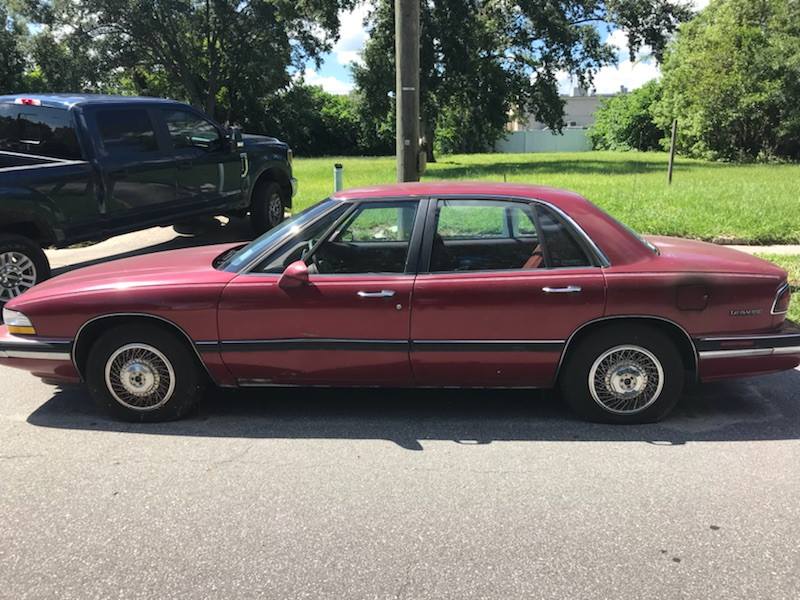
267, 206
23, 264
623, 374
143, 373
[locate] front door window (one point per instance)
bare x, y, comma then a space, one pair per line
375, 238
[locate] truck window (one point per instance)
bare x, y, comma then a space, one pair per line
126, 131
189, 130
39, 130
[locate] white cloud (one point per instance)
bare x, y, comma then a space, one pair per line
628, 73
329, 84
352, 34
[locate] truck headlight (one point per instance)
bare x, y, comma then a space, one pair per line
18, 323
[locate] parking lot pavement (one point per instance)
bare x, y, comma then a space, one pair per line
397, 494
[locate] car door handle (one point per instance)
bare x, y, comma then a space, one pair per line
381, 294
570, 289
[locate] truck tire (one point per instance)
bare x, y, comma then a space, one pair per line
267, 206
23, 264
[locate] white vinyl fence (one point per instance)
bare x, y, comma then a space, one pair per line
570, 140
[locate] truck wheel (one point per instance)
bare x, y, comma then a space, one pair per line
630, 374
23, 264
266, 209
143, 373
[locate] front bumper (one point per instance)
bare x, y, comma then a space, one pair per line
750, 354
50, 359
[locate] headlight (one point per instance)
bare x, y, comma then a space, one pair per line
17, 322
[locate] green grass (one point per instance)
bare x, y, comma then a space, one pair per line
750, 204
791, 263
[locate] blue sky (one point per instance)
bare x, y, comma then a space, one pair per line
334, 74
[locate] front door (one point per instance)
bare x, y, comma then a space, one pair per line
507, 283
349, 325
209, 173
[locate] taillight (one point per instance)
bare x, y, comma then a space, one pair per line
28, 101
782, 299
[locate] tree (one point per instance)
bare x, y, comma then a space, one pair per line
12, 65
316, 122
482, 59
222, 56
732, 79
626, 121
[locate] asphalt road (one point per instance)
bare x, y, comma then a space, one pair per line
397, 494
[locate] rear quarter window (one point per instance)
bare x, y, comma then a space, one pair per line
39, 130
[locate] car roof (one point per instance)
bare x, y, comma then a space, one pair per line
69, 100
469, 189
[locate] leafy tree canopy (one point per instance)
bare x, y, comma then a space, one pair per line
223, 56
732, 79
482, 59
626, 121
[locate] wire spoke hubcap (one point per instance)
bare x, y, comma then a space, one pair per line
17, 274
140, 377
626, 379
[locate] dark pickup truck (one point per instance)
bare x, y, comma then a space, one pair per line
76, 168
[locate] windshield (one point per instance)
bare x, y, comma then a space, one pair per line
241, 258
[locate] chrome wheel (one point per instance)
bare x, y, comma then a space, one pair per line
274, 209
626, 379
140, 377
17, 274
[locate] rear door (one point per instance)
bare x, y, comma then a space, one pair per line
503, 285
208, 172
138, 168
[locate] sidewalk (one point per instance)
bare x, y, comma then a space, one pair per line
789, 249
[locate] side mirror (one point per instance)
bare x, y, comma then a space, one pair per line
235, 139
295, 275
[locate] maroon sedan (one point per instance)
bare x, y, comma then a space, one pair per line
457, 285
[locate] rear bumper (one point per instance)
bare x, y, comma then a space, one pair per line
50, 359
742, 355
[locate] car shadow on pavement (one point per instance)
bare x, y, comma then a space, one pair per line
764, 408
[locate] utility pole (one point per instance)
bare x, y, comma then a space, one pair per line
406, 48
672, 150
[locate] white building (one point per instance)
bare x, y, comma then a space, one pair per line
529, 135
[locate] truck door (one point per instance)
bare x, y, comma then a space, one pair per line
209, 173
137, 165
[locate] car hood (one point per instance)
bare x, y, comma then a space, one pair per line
678, 254
251, 139
175, 267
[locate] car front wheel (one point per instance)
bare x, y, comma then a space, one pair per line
627, 374
143, 373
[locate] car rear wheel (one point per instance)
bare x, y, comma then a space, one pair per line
267, 207
23, 264
143, 373
625, 374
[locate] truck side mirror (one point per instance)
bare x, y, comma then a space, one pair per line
235, 139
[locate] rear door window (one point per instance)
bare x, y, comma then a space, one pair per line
127, 131
39, 130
